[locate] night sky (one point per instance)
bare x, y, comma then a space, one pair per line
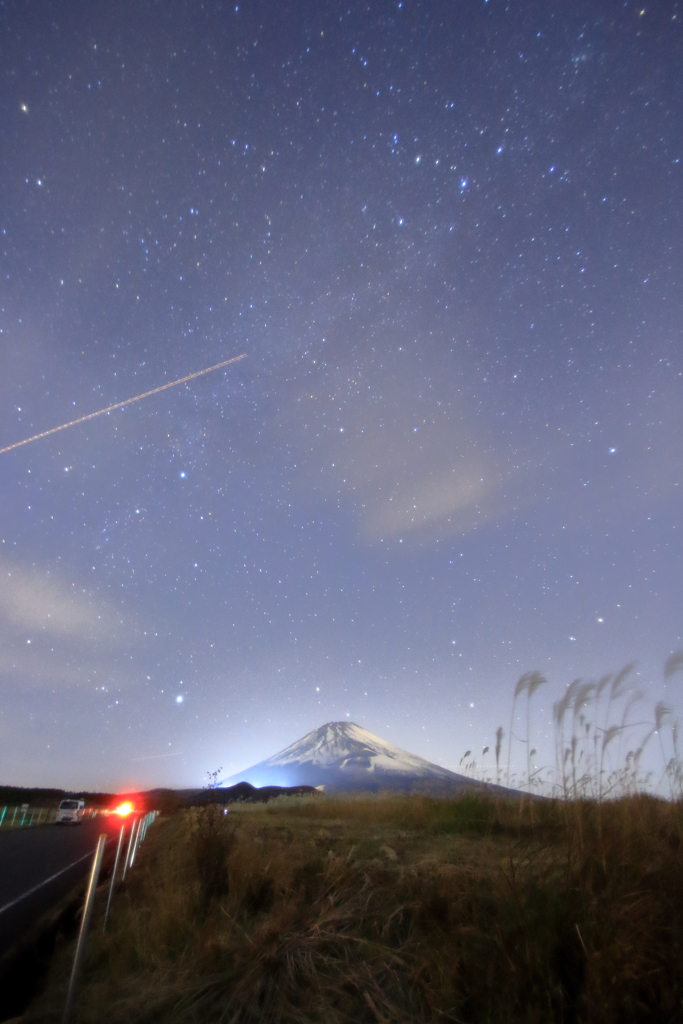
448, 237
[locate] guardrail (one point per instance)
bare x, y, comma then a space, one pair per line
137, 834
24, 816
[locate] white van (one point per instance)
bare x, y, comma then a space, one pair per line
70, 812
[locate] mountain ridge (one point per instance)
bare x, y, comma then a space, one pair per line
344, 757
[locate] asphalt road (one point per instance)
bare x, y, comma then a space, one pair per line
39, 866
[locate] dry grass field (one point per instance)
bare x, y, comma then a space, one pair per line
394, 909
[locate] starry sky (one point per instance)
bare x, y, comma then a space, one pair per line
448, 237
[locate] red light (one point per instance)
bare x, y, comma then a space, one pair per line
124, 809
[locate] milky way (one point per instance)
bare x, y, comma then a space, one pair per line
448, 235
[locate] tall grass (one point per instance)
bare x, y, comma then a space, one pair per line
397, 909
602, 729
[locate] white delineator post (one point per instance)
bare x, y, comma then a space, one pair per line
113, 876
85, 924
138, 839
128, 861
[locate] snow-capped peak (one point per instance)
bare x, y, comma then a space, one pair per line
343, 756
348, 747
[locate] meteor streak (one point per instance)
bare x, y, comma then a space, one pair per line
119, 405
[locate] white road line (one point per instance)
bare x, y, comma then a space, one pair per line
45, 881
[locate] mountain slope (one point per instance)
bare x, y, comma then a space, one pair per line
343, 756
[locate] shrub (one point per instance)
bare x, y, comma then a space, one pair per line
211, 840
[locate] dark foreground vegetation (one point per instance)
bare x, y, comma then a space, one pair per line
167, 801
46, 797
394, 909
243, 792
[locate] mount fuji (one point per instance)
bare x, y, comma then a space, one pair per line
342, 756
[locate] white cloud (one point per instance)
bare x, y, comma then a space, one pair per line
43, 603
53, 633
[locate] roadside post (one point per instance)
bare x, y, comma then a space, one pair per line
85, 924
2, 816
128, 861
148, 818
136, 843
113, 876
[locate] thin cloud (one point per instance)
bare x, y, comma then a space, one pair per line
54, 634
43, 603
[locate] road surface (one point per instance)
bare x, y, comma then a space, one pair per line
39, 866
